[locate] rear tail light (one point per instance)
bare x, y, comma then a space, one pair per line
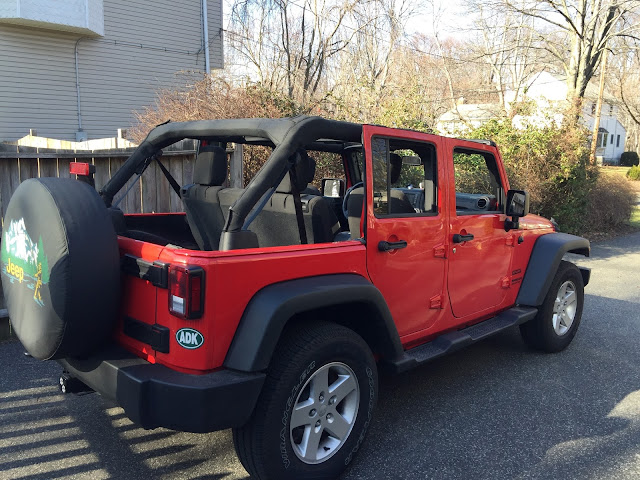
186, 291
79, 168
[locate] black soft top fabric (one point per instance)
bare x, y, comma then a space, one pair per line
211, 166
286, 134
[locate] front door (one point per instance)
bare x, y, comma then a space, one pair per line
480, 248
406, 224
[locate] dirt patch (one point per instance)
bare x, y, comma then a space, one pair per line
622, 172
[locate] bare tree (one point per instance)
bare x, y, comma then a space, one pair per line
589, 26
508, 44
291, 44
625, 80
380, 29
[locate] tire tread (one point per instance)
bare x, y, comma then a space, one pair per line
296, 341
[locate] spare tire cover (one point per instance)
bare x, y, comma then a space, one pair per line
60, 267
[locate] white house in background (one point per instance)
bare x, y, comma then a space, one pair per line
546, 94
77, 69
549, 93
467, 116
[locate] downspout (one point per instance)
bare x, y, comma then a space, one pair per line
80, 133
205, 34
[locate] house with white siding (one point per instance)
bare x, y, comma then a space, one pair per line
543, 103
78, 69
549, 94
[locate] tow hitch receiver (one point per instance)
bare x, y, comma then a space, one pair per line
69, 384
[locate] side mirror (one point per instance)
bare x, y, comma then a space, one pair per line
333, 187
517, 206
517, 203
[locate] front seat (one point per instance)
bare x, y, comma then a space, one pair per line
398, 202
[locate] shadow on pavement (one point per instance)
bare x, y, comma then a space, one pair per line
47, 435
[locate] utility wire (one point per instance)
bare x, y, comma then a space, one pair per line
382, 30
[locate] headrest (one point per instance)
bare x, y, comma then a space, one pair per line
396, 167
305, 170
211, 166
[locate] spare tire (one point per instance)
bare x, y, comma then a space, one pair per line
60, 268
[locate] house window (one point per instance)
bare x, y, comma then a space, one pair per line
618, 141
602, 137
611, 142
593, 109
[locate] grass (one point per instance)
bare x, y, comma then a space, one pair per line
634, 221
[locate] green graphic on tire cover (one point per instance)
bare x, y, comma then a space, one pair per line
24, 261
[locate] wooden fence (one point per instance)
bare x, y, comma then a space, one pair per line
151, 193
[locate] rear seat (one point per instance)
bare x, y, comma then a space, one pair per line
207, 205
276, 224
200, 199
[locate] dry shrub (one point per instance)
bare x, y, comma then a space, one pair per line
610, 203
216, 98
551, 164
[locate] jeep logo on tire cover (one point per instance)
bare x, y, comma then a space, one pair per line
189, 338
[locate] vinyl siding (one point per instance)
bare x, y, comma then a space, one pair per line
147, 46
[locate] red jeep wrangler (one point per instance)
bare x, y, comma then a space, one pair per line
269, 309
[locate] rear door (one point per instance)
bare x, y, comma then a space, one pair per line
405, 244
481, 250
141, 276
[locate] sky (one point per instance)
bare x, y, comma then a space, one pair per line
453, 18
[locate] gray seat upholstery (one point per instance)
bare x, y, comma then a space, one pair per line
200, 199
355, 203
276, 224
398, 202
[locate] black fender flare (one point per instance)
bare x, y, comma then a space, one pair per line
273, 306
544, 262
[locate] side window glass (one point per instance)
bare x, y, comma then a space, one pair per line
477, 180
404, 177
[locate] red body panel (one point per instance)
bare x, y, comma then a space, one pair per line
413, 278
477, 269
431, 286
231, 280
139, 297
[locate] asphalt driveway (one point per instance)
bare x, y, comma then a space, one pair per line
494, 411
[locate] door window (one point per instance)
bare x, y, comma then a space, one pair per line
404, 178
477, 182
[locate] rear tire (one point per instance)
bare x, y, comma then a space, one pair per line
557, 321
315, 407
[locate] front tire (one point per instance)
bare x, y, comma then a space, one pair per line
315, 407
557, 321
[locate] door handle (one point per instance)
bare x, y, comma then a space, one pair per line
457, 238
385, 246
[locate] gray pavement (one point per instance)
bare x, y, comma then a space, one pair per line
494, 411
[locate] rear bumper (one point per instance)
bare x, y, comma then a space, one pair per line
153, 395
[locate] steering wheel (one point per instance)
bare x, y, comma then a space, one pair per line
345, 200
